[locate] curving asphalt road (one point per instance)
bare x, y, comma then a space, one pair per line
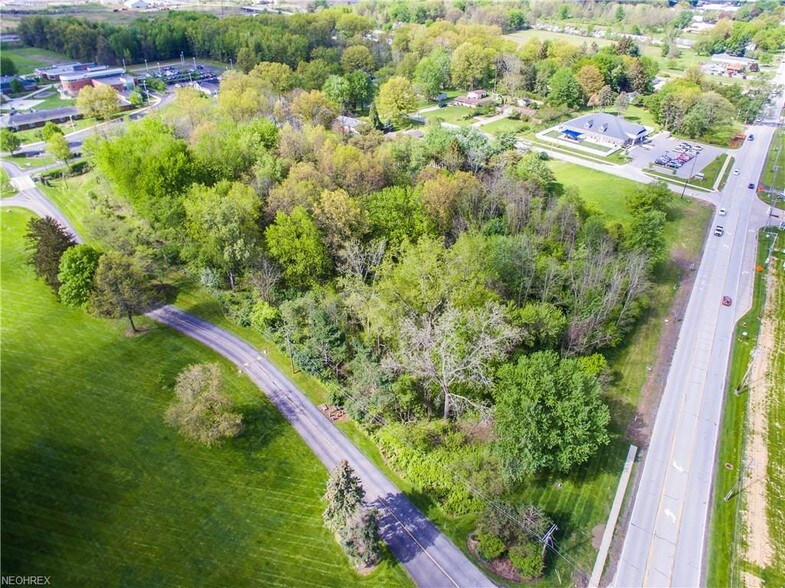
429, 557
427, 554
665, 541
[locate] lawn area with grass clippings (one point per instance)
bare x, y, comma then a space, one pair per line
98, 490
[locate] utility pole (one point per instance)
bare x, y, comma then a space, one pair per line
547, 540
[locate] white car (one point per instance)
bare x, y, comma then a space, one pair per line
736, 172
722, 212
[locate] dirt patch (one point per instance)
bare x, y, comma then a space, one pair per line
334, 413
750, 580
596, 536
758, 549
138, 332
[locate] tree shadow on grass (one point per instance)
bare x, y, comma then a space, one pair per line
55, 499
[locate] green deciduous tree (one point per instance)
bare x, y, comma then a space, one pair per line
150, 168
100, 102
201, 410
549, 415
315, 108
57, 146
396, 213
77, 269
294, 241
396, 98
47, 241
278, 76
432, 73
357, 58
9, 141
7, 66
565, 89
50, 129
471, 66
223, 225
120, 288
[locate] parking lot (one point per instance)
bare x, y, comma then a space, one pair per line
663, 147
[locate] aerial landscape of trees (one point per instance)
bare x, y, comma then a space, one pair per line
454, 299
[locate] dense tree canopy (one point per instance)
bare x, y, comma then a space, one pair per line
549, 415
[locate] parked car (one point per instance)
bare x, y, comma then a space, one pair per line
726, 301
736, 172
751, 186
722, 212
719, 230
751, 138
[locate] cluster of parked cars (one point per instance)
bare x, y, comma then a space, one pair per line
684, 153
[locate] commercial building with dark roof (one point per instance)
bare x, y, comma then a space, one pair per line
604, 128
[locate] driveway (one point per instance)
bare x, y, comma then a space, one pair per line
661, 144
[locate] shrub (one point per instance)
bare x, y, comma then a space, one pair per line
428, 455
490, 546
527, 559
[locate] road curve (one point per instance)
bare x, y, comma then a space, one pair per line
429, 557
427, 554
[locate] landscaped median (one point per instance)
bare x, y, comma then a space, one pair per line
747, 493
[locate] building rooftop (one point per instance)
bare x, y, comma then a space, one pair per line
93, 74
26, 118
602, 123
725, 57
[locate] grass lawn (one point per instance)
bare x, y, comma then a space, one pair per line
725, 537
6, 189
640, 115
34, 135
776, 441
98, 490
72, 198
423, 102
603, 192
451, 114
504, 125
727, 173
32, 162
54, 101
27, 59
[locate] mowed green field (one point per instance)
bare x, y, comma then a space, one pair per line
27, 59
97, 490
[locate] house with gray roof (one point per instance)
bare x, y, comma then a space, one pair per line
604, 128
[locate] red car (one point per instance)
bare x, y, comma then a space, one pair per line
726, 301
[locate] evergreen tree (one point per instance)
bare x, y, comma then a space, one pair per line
344, 496
48, 241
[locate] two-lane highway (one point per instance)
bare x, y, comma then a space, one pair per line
665, 540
